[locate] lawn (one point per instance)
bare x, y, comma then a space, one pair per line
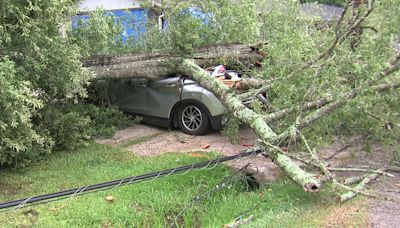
167, 201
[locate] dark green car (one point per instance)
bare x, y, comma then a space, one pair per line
175, 101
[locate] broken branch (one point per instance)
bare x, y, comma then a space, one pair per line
254, 120
155, 65
379, 171
239, 222
359, 188
354, 180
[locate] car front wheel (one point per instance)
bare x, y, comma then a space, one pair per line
193, 119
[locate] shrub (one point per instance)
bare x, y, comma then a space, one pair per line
67, 128
105, 120
19, 141
72, 125
41, 78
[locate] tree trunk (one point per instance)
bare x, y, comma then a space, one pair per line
156, 65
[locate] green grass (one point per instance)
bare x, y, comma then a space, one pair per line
147, 204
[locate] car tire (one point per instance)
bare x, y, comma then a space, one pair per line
193, 119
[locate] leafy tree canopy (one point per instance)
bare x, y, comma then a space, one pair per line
41, 74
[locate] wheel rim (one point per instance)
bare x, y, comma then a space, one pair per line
192, 118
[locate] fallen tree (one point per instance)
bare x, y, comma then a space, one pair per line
154, 65
161, 64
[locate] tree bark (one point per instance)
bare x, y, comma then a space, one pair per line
254, 120
359, 188
155, 65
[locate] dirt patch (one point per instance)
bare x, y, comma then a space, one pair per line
356, 152
132, 133
348, 215
174, 141
262, 169
178, 142
385, 213
8, 189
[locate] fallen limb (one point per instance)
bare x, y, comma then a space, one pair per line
329, 108
392, 191
248, 83
359, 188
393, 169
306, 106
354, 180
378, 171
314, 156
155, 65
253, 92
240, 222
338, 152
254, 120
308, 120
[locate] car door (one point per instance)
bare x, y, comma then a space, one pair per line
129, 95
162, 95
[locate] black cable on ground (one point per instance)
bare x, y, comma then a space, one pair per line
76, 191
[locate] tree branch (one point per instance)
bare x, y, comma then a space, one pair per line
155, 65
359, 188
338, 38
254, 120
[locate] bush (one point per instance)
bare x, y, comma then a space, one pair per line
72, 125
105, 120
68, 129
19, 141
41, 78
99, 34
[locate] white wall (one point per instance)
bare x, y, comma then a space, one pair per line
90, 5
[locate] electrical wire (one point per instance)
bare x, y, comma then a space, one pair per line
17, 204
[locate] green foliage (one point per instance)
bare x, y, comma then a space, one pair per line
192, 24
32, 37
231, 130
100, 34
19, 141
68, 129
71, 125
104, 121
42, 77
43, 66
293, 39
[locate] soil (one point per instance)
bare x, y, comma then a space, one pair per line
8, 189
354, 152
178, 142
381, 213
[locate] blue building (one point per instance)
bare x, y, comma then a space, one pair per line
129, 12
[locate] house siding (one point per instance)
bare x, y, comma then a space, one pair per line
91, 5
133, 18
